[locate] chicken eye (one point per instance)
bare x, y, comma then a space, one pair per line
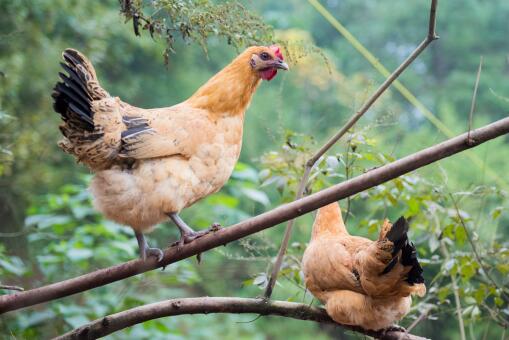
264, 56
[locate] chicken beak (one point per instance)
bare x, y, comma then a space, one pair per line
280, 64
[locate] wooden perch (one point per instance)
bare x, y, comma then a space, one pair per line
258, 223
205, 305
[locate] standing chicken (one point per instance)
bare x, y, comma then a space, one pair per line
149, 164
362, 282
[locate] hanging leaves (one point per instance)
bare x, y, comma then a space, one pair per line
196, 22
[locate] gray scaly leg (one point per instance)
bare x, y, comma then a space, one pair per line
187, 234
145, 250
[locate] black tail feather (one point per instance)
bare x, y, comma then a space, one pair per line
409, 258
71, 96
398, 235
78, 88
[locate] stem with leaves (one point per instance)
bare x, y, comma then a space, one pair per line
430, 37
455, 291
485, 270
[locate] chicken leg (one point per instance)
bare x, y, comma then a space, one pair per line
187, 234
145, 250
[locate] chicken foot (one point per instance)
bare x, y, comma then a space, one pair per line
187, 234
145, 250
393, 328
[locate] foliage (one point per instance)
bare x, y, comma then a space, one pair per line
5, 152
196, 21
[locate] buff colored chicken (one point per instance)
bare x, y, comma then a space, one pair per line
362, 282
149, 164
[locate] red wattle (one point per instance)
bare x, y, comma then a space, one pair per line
268, 74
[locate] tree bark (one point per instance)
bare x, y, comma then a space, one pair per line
205, 305
258, 223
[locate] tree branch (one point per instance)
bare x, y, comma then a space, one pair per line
258, 223
205, 305
430, 37
8, 287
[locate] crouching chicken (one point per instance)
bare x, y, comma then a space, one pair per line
149, 164
362, 282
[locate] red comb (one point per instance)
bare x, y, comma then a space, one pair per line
277, 51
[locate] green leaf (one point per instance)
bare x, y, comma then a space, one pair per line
256, 195
261, 280
76, 321
470, 300
433, 243
503, 268
461, 235
443, 293
479, 295
79, 254
245, 172
223, 199
476, 312
14, 266
496, 212
413, 206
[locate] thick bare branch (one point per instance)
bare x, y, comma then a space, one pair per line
205, 305
430, 37
258, 223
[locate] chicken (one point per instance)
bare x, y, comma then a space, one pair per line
149, 164
362, 282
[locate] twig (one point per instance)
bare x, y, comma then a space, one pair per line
7, 287
430, 37
474, 97
258, 223
421, 317
347, 176
455, 290
205, 305
496, 316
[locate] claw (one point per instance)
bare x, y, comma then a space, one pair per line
156, 252
215, 227
145, 250
393, 328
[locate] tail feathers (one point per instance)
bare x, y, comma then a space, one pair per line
73, 96
398, 235
409, 258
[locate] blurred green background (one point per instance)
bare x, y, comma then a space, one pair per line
49, 231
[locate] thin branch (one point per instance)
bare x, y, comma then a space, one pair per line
258, 223
474, 96
348, 165
421, 317
7, 287
205, 305
430, 37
